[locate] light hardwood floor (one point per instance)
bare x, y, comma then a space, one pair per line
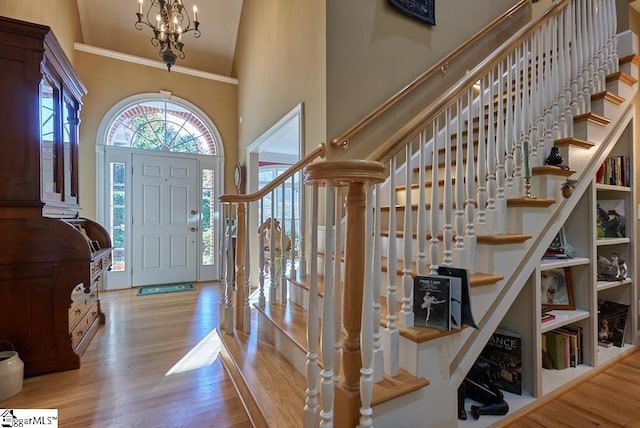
124, 379
609, 398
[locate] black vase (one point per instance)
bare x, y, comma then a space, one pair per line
554, 157
501, 408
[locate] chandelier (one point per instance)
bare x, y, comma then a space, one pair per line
171, 22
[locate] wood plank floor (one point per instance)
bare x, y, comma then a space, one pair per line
609, 398
125, 378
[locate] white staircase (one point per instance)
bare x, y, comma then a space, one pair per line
495, 217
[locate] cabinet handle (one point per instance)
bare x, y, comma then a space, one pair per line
80, 333
78, 311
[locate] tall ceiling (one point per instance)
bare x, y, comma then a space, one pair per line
110, 25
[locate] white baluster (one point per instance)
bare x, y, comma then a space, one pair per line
508, 128
261, 261
311, 408
293, 273
482, 165
378, 356
283, 250
470, 239
327, 345
555, 80
501, 201
613, 26
366, 335
566, 56
391, 336
435, 201
421, 235
273, 262
561, 75
447, 200
492, 222
246, 306
460, 254
406, 315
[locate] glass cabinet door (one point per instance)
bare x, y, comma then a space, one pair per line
49, 112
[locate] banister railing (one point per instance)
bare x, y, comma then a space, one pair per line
284, 249
444, 72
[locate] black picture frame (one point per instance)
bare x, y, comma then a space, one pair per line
422, 10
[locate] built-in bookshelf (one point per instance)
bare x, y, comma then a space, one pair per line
582, 235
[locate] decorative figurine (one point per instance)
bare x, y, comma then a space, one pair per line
567, 188
554, 157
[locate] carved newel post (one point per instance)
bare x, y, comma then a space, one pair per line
355, 175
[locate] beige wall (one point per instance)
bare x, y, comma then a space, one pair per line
280, 62
373, 51
61, 15
109, 81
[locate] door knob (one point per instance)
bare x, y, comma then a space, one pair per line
193, 212
193, 229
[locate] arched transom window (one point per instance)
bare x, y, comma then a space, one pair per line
161, 125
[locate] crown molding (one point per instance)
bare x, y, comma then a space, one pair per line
151, 63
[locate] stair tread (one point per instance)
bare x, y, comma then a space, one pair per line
475, 279
552, 170
593, 118
507, 238
261, 368
530, 202
622, 76
291, 319
573, 141
609, 96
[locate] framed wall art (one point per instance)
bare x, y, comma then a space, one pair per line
557, 289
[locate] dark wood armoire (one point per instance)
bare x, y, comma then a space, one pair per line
52, 261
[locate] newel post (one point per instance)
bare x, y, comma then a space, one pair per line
355, 175
243, 316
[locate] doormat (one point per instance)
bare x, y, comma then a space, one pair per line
166, 288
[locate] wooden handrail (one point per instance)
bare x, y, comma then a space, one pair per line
436, 68
400, 138
251, 197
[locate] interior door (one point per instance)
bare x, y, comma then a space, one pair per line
165, 220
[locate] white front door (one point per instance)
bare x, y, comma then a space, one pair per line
165, 220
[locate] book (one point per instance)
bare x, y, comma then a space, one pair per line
611, 218
437, 302
503, 353
466, 314
547, 317
612, 323
555, 344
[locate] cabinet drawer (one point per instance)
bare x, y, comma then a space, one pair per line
81, 328
96, 266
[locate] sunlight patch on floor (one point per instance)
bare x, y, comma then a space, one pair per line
201, 355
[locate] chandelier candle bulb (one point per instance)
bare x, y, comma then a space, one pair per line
140, 8
195, 12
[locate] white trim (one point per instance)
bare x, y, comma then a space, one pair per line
152, 63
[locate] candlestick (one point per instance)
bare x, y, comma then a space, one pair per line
525, 154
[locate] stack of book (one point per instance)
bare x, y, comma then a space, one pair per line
441, 301
562, 348
612, 323
615, 171
503, 353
